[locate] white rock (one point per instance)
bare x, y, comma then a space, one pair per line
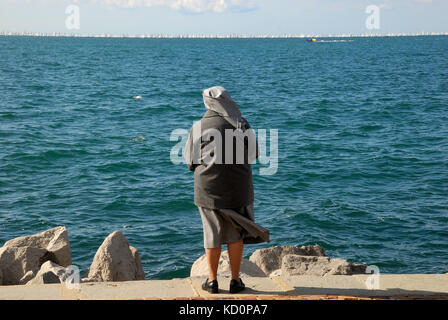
270, 259
49, 272
293, 265
54, 240
200, 267
114, 261
19, 264
140, 275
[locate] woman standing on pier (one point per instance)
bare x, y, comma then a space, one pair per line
223, 191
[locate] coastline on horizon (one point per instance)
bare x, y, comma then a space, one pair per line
218, 36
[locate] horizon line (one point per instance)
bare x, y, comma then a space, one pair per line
218, 36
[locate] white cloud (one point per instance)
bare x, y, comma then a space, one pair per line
195, 6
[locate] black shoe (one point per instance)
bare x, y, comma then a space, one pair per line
236, 286
211, 287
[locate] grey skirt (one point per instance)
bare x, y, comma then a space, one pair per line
231, 225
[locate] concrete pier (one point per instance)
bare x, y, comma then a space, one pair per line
355, 287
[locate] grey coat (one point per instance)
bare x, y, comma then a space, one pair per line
220, 185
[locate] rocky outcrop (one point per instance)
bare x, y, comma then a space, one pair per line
115, 260
270, 259
305, 260
54, 240
21, 258
200, 267
49, 272
140, 274
42, 258
293, 265
19, 265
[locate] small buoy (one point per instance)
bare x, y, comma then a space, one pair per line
137, 97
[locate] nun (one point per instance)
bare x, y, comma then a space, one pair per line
219, 150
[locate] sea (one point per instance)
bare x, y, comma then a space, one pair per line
86, 127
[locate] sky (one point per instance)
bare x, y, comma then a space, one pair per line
222, 17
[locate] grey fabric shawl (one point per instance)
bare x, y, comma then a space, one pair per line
218, 99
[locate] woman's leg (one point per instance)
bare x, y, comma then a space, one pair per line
235, 256
213, 255
211, 223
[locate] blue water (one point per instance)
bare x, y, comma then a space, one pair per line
363, 144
